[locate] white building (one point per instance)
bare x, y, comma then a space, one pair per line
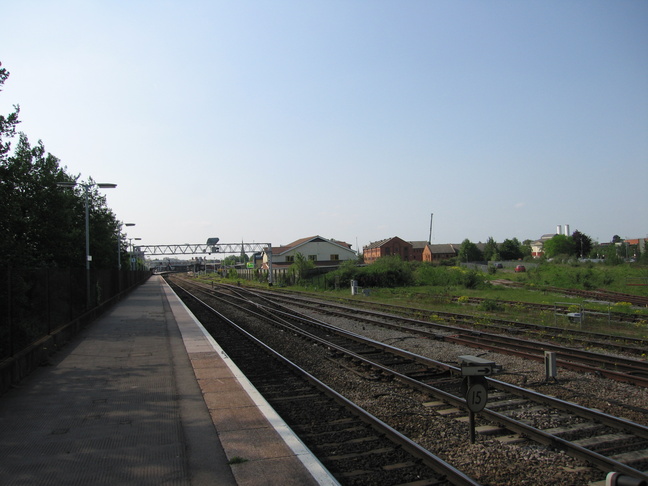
321, 251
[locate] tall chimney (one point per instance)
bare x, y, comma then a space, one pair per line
567, 230
558, 230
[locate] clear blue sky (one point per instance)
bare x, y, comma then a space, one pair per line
269, 121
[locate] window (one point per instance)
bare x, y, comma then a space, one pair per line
290, 259
312, 258
335, 257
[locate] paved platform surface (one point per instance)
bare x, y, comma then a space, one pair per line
143, 396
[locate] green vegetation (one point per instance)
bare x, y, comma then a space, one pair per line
41, 224
451, 288
395, 276
585, 276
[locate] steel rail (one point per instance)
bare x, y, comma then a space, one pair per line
629, 371
602, 462
466, 318
636, 366
454, 475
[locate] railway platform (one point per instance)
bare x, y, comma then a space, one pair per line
144, 396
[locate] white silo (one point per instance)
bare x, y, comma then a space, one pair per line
567, 230
558, 230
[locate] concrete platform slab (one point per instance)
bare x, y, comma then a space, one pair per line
123, 404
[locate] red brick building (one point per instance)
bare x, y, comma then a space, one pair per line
437, 253
388, 247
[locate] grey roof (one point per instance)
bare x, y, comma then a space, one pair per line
379, 243
443, 248
419, 244
285, 248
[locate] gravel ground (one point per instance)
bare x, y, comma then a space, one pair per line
491, 461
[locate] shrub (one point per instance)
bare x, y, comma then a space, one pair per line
490, 305
387, 272
472, 280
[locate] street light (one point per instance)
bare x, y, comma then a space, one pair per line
86, 190
132, 251
119, 243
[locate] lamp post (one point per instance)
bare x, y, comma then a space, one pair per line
119, 243
119, 272
86, 191
132, 250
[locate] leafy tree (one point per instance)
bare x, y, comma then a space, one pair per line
610, 253
236, 259
104, 228
41, 224
510, 249
491, 250
468, 252
301, 266
642, 255
8, 123
559, 245
582, 243
36, 224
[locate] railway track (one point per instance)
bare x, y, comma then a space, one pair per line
356, 447
608, 443
560, 309
435, 318
600, 294
616, 367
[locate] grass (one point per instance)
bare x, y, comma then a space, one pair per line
536, 282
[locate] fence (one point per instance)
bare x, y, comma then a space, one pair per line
316, 276
34, 303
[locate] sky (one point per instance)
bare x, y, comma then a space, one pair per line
356, 120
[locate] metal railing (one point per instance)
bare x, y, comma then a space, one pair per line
36, 302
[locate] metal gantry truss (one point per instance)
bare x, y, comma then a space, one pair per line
192, 249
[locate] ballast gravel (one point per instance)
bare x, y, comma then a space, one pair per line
502, 461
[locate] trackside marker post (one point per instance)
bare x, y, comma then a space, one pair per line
474, 370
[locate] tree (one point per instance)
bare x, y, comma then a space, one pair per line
490, 250
526, 249
468, 252
559, 245
510, 249
582, 243
301, 266
41, 224
236, 259
8, 123
610, 254
35, 224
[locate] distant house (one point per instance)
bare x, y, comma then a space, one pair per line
419, 251
437, 253
418, 247
321, 251
639, 244
388, 247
